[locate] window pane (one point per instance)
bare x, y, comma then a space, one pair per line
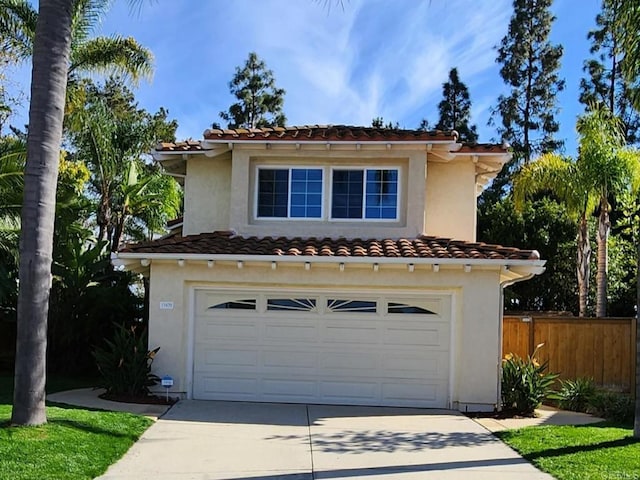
382, 194
249, 304
404, 308
292, 304
306, 188
362, 306
346, 201
273, 186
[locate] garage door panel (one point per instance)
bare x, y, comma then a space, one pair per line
290, 389
321, 355
342, 333
290, 359
216, 357
288, 332
229, 329
410, 393
431, 336
429, 365
332, 362
347, 392
227, 387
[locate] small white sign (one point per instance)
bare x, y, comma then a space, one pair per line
166, 305
167, 381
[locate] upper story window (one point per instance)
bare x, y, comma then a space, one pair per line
356, 193
364, 193
289, 193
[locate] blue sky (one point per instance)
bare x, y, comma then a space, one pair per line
338, 65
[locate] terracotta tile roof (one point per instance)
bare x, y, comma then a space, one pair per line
482, 148
327, 133
185, 146
226, 243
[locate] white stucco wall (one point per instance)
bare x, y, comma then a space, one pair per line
476, 310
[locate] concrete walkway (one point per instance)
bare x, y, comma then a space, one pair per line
89, 398
251, 441
544, 416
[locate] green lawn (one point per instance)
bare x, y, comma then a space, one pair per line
74, 444
603, 451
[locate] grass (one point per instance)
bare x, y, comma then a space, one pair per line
74, 444
602, 451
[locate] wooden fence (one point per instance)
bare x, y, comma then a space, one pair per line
601, 348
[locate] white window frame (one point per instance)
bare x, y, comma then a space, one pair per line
256, 194
364, 193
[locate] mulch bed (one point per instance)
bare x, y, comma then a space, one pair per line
142, 399
504, 414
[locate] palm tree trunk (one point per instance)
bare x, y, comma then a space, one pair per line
48, 89
604, 225
584, 258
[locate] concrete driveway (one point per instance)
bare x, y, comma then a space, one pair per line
251, 441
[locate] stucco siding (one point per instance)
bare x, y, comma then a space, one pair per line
450, 207
207, 194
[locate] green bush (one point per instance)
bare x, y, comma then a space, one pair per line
524, 383
125, 363
576, 394
613, 406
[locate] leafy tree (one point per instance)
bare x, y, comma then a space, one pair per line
628, 20
424, 125
529, 67
378, 122
111, 134
260, 102
605, 85
455, 109
545, 225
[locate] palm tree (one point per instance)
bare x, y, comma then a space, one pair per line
604, 169
48, 37
115, 55
566, 181
609, 168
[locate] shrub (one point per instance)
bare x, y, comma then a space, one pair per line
525, 383
613, 406
576, 394
125, 363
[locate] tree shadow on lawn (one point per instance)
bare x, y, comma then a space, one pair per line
559, 452
76, 424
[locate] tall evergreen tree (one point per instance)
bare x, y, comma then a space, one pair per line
529, 67
605, 84
455, 108
259, 102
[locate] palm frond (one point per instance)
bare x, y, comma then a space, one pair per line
87, 15
18, 21
113, 55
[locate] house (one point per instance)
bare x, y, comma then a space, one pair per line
330, 264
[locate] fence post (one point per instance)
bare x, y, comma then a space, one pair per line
532, 340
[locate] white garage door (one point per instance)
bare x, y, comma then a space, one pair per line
322, 348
